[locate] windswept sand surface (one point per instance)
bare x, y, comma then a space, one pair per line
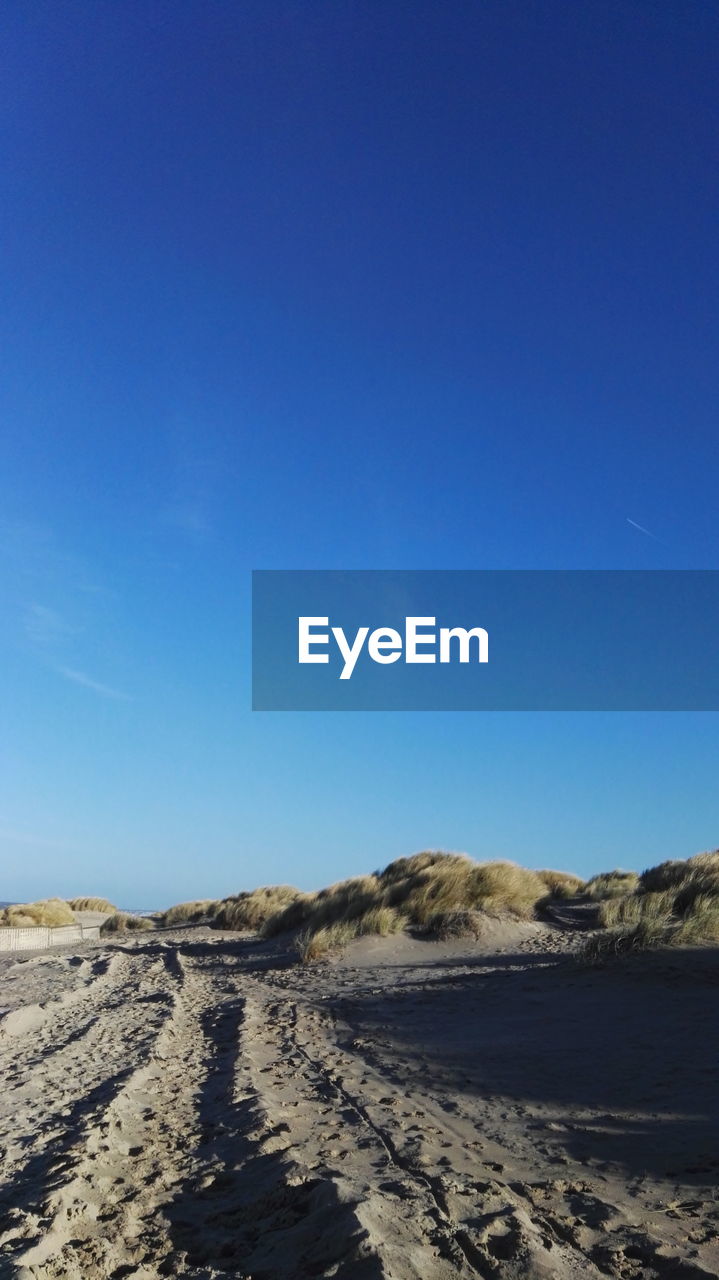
193, 1105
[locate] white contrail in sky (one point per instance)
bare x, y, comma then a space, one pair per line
641, 529
105, 690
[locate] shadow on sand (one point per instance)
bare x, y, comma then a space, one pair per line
623, 1060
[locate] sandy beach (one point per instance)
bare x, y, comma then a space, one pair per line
194, 1104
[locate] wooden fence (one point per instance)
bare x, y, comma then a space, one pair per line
39, 937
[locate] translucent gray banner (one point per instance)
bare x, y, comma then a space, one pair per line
494, 640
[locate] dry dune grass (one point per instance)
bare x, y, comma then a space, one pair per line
190, 912
703, 868
123, 922
440, 893
379, 921
418, 891
403, 868
443, 894
52, 912
341, 904
293, 916
616, 913
446, 925
673, 904
611, 884
345, 901
664, 876
453, 882
91, 904
642, 936
562, 884
253, 909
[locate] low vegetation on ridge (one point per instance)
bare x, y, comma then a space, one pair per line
442, 894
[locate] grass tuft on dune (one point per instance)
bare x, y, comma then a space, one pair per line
454, 882
91, 904
124, 922
52, 912
253, 909
562, 884
611, 884
377, 921
673, 904
190, 912
449, 925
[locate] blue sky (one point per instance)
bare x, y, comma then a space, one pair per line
311, 285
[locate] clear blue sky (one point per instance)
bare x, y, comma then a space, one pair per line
340, 285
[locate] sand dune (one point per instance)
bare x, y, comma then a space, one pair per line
198, 1105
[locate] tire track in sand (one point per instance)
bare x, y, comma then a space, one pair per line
72, 1210
306, 1186
62, 1072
